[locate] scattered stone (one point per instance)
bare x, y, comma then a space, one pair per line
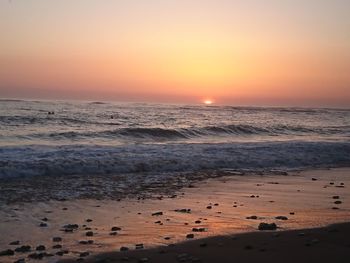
281, 217
40, 248
201, 229
113, 233
45, 219
189, 236
39, 255
57, 239
84, 254
197, 222
157, 214
209, 207
216, 204
252, 196
64, 208
42, 224
184, 210
14, 243
70, 227
166, 238
124, 249
292, 213
331, 183
57, 246
335, 197
313, 179
335, 208
139, 246
267, 226
115, 228
252, 217
59, 253
88, 220
338, 202
23, 249
89, 234
7, 252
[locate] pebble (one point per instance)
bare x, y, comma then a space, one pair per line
115, 228
189, 236
183, 210
197, 222
15, 243
57, 246
7, 252
40, 248
42, 224
84, 254
335, 197
313, 179
88, 220
338, 202
209, 207
139, 246
23, 249
267, 226
113, 233
201, 229
157, 214
57, 239
89, 234
252, 217
124, 249
281, 217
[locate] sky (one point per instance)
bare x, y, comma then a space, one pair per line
243, 52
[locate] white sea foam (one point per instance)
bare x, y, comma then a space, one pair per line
161, 158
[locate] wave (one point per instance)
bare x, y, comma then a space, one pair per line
156, 133
158, 159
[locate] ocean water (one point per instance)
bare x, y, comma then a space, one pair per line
102, 139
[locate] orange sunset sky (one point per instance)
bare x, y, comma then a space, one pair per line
244, 52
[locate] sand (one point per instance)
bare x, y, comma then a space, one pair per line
306, 199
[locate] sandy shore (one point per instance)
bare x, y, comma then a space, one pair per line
328, 244
218, 209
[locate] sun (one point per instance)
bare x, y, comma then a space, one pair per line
208, 102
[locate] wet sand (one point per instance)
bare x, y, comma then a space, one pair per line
223, 207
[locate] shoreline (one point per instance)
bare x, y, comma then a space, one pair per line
237, 205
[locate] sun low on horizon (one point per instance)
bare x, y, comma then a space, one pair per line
241, 52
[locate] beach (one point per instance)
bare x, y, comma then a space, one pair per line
215, 219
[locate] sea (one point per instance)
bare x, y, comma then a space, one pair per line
158, 141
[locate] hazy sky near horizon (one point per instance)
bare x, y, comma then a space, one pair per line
271, 52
